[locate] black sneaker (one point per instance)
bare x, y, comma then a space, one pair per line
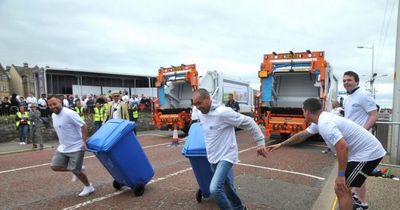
355, 199
358, 206
244, 208
326, 151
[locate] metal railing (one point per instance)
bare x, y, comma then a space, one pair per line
383, 132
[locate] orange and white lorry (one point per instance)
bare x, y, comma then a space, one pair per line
175, 86
287, 79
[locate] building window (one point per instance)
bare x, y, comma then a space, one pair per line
4, 77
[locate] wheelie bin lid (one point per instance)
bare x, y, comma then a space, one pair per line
195, 144
109, 134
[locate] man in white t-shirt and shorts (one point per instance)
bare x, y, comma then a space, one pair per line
359, 107
358, 151
72, 134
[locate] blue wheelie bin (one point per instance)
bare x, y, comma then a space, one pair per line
119, 151
195, 150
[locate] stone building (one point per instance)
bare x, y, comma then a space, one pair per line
24, 80
4, 83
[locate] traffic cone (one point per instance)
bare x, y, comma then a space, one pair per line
175, 139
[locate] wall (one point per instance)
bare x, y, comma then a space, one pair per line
16, 85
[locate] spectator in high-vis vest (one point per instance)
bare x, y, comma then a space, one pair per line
79, 109
98, 116
36, 127
135, 115
22, 123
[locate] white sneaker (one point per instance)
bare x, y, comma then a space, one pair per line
23, 143
87, 190
74, 178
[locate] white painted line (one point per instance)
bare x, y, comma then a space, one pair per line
316, 145
126, 189
23, 168
283, 171
156, 145
119, 192
47, 164
159, 135
151, 134
245, 150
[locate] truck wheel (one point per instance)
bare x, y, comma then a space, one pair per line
185, 130
199, 196
138, 190
117, 185
285, 136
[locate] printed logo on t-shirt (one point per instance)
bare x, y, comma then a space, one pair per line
333, 136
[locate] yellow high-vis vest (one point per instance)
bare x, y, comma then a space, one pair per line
19, 117
79, 111
98, 114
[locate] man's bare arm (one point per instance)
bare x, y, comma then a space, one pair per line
372, 117
297, 138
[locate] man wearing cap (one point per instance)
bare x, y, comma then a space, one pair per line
117, 109
36, 127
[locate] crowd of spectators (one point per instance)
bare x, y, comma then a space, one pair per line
10, 105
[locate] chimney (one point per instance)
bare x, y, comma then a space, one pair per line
25, 65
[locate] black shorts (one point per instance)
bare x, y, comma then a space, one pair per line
357, 172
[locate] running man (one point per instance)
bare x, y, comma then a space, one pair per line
358, 151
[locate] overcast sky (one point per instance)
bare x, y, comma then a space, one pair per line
138, 37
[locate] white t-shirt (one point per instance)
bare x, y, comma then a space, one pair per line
68, 128
363, 146
65, 102
42, 102
116, 110
31, 100
219, 132
357, 106
125, 98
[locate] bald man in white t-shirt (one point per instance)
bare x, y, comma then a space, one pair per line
72, 135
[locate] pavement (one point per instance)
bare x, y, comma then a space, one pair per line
382, 193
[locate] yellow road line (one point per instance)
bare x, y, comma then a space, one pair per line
334, 203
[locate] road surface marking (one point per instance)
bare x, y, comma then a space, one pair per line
284, 171
124, 190
334, 203
315, 145
119, 192
47, 164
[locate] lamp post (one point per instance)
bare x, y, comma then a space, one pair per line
373, 75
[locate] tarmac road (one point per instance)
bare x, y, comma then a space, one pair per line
290, 178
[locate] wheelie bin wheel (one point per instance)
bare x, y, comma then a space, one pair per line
199, 195
117, 185
138, 190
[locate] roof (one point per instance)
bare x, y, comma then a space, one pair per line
2, 70
99, 72
21, 69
